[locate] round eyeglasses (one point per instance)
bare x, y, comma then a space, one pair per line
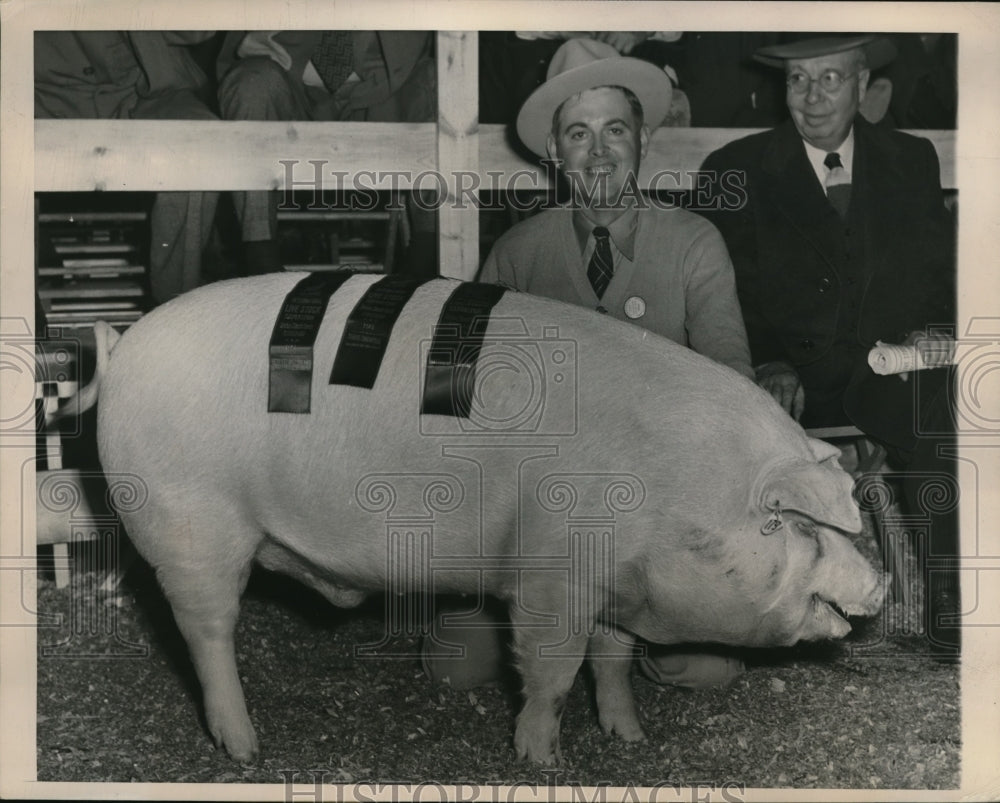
829, 81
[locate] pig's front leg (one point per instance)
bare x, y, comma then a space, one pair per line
611, 662
547, 681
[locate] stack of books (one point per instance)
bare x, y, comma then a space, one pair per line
91, 267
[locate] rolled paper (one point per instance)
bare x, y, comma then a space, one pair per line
889, 359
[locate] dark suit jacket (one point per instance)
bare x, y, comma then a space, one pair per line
815, 292
107, 74
402, 52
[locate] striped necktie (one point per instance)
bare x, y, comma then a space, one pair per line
602, 265
838, 184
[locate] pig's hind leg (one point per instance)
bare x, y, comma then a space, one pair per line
610, 655
203, 583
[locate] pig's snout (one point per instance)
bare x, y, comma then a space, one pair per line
861, 597
829, 623
871, 604
830, 614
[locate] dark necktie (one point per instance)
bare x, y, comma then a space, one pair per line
838, 184
602, 265
333, 58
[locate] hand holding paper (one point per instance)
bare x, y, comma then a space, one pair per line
918, 352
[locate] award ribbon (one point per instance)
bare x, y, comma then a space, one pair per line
458, 339
368, 328
290, 352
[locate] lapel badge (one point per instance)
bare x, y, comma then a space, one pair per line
635, 307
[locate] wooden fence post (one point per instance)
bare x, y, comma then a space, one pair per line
458, 152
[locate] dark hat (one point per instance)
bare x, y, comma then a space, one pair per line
581, 64
878, 50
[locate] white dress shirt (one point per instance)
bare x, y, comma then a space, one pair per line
817, 155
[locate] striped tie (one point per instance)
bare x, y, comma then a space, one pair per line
601, 266
838, 184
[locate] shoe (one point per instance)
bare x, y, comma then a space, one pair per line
466, 656
691, 670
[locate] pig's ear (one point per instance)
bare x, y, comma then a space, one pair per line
820, 491
823, 451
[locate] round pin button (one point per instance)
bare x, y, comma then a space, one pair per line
635, 307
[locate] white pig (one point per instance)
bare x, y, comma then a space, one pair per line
606, 484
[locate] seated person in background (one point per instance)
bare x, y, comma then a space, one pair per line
142, 75
384, 76
724, 86
513, 64
925, 80
840, 238
662, 269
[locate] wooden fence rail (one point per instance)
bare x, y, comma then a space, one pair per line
165, 155
139, 155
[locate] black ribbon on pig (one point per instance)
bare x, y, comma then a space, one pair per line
458, 339
290, 352
366, 334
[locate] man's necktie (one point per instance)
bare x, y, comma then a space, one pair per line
838, 184
333, 58
601, 266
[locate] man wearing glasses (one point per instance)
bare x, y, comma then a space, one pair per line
839, 237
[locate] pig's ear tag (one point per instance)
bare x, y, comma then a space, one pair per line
774, 522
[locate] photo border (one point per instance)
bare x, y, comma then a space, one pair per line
978, 171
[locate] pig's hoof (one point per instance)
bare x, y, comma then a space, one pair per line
537, 751
625, 726
242, 748
243, 755
550, 760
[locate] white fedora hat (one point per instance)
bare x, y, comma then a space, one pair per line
581, 64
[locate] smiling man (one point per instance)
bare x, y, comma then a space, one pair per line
824, 95
665, 270
598, 139
843, 240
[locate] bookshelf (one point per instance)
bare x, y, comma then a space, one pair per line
92, 256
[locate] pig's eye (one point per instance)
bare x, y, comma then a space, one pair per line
806, 528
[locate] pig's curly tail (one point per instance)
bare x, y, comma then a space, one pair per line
107, 338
